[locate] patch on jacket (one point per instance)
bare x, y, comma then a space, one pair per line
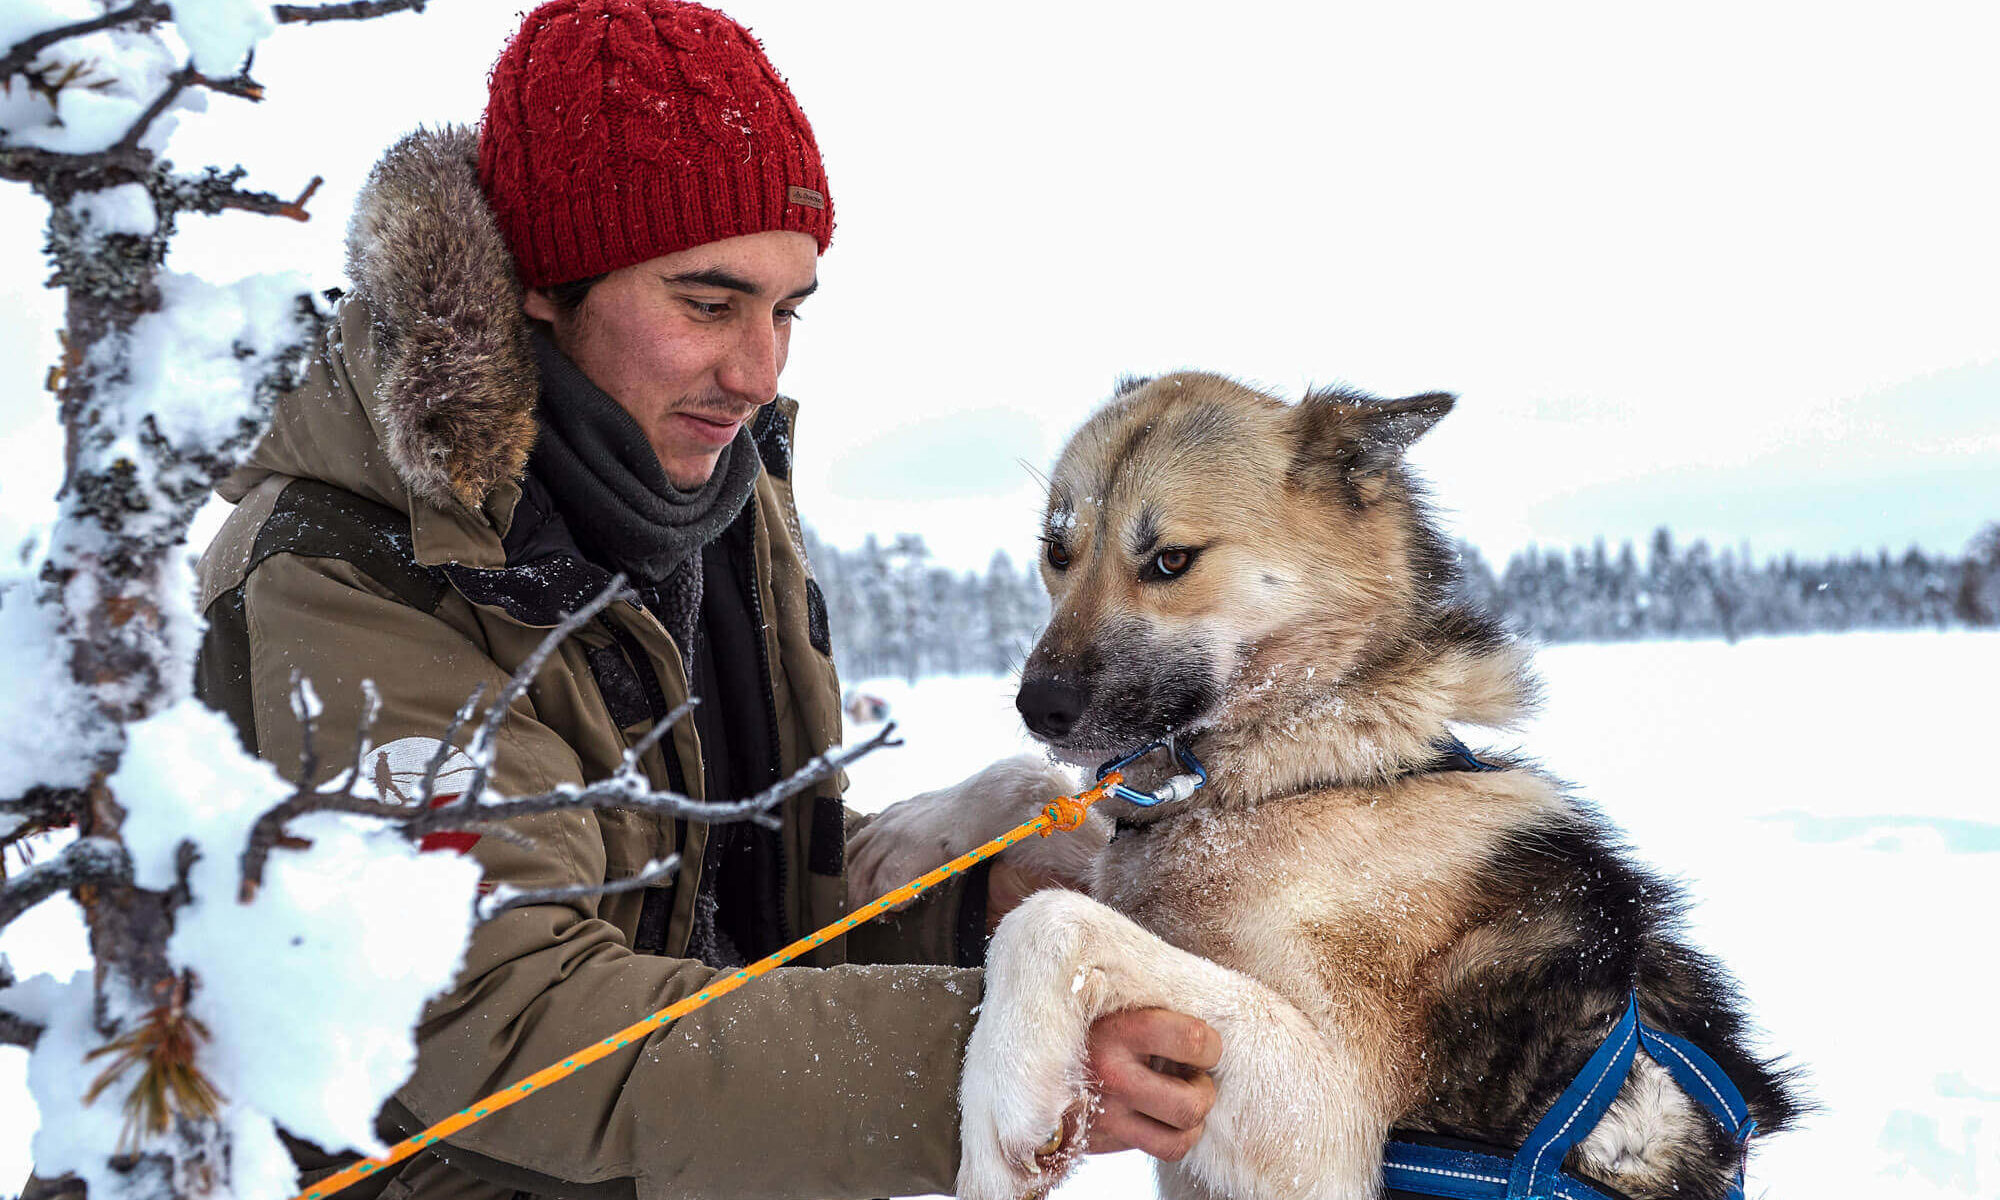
818, 631
829, 837
397, 770
773, 435
619, 684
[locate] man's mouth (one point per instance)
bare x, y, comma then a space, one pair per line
708, 430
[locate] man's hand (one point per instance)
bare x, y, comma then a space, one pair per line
1153, 1086
1008, 884
921, 833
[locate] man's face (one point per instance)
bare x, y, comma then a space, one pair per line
691, 344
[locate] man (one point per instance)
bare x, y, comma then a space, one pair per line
560, 360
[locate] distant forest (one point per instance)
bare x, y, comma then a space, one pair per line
895, 613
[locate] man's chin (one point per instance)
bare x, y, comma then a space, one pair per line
690, 473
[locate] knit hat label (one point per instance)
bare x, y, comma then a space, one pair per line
805, 196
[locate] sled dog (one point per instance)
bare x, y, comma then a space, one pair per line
1396, 937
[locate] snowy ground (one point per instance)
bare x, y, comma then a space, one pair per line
1829, 801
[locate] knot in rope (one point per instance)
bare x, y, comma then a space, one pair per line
1067, 812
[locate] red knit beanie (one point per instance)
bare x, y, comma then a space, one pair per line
621, 130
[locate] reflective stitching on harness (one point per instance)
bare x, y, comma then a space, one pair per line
1534, 1167
1442, 1171
1699, 1074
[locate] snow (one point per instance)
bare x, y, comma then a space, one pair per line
23, 19
40, 712
1822, 797
126, 208
312, 989
221, 33
116, 75
1826, 803
196, 363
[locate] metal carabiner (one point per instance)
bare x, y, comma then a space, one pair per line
1180, 787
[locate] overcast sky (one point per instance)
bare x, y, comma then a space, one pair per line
1733, 268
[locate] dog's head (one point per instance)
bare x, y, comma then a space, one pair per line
1200, 536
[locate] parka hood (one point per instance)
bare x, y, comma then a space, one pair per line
429, 387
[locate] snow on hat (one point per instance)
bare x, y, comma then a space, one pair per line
621, 130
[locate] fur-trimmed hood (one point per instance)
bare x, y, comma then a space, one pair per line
429, 363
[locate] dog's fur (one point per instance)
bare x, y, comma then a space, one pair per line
1381, 945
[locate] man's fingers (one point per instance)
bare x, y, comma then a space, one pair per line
1115, 1130
1156, 1032
1170, 1100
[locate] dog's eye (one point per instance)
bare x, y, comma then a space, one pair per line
1169, 563
1058, 555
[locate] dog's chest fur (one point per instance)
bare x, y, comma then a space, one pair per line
1343, 900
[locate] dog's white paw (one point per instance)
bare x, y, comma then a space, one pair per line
1024, 1094
922, 833
1019, 1137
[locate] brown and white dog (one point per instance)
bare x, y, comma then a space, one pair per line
1380, 943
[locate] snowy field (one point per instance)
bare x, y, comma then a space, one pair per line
1829, 802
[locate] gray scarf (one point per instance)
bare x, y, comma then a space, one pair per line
616, 498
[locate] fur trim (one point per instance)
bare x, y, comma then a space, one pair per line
458, 383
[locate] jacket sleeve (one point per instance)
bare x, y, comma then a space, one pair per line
808, 1083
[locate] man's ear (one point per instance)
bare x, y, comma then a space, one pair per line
1348, 441
538, 306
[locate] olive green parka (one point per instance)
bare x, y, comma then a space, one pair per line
365, 545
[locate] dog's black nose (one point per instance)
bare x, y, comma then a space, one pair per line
1050, 706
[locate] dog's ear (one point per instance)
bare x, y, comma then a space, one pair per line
1348, 442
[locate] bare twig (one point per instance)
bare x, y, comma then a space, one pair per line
176, 84
364, 737
15, 1030
483, 743
660, 729
358, 10
239, 85
18, 1031
628, 790
265, 204
23, 52
428, 787
306, 710
86, 861
504, 898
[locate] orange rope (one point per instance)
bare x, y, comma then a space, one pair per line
1063, 814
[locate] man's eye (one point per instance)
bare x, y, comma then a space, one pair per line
785, 316
1058, 555
706, 309
1169, 563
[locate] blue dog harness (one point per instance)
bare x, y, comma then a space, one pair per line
1535, 1170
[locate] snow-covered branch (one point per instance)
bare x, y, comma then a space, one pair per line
87, 861
23, 52
358, 10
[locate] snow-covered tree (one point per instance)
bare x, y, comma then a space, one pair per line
227, 1000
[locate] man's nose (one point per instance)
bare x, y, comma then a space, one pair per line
750, 371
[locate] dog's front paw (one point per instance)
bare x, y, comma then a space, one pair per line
1018, 1140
